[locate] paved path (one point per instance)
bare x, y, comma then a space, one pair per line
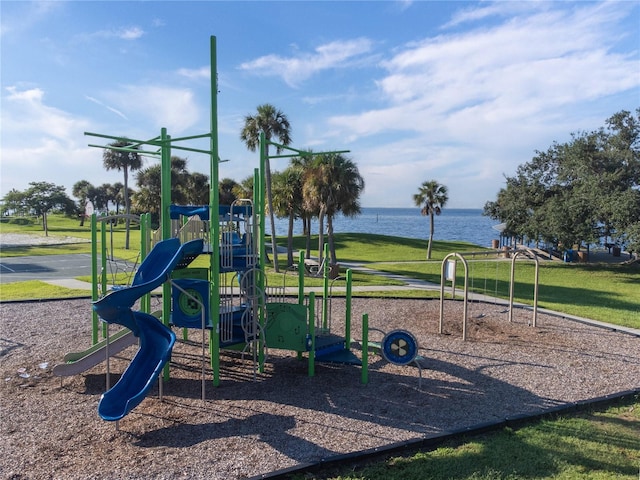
44, 267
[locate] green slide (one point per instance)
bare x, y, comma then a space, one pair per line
79, 362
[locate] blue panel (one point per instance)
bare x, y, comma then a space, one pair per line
186, 311
399, 347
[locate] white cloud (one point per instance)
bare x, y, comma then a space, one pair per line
493, 9
404, 4
43, 143
111, 109
159, 105
25, 111
129, 33
30, 15
302, 66
122, 33
525, 67
484, 100
195, 74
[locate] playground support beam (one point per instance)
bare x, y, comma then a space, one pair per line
165, 222
325, 288
365, 349
466, 292
347, 327
301, 277
94, 277
312, 332
145, 228
535, 283
214, 224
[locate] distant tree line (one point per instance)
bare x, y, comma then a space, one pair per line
40, 199
578, 192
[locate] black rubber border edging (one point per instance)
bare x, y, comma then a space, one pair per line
432, 441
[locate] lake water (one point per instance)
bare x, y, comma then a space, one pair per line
467, 225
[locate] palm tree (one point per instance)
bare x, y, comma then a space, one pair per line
273, 123
118, 195
432, 197
333, 185
244, 189
81, 190
305, 163
225, 189
287, 200
101, 198
149, 181
123, 161
106, 189
197, 189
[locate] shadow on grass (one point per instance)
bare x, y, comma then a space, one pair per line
509, 454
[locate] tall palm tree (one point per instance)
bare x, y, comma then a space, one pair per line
287, 200
333, 185
274, 124
432, 197
305, 163
125, 162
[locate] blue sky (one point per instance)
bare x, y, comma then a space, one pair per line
458, 92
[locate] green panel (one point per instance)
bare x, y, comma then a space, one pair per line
287, 326
195, 273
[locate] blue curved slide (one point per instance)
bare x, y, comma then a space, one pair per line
156, 340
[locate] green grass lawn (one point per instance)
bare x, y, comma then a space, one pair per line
35, 289
60, 225
595, 445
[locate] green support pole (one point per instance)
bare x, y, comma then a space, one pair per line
103, 267
300, 284
165, 222
258, 220
325, 289
94, 278
262, 249
104, 259
261, 189
301, 277
347, 327
145, 302
312, 332
365, 349
214, 224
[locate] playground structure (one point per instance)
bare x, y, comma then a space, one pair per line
448, 273
229, 299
